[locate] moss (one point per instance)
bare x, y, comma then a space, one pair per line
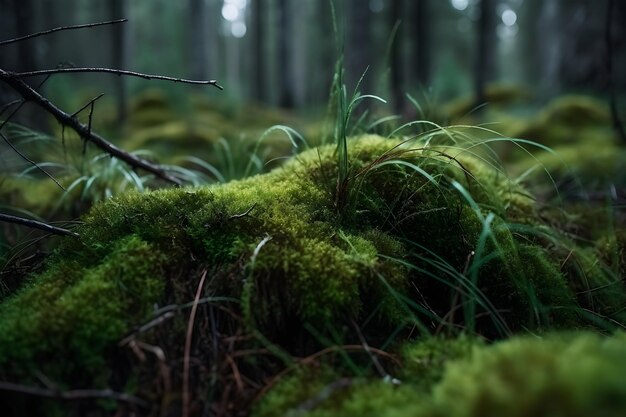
398, 252
560, 376
611, 249
424, 362
76, 311
497, 95
579, 169
577, 374
599, 290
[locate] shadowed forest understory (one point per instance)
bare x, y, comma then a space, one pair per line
300, 208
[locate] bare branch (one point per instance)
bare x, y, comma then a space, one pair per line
116, 72
79, 394
36, 225
47, 32
29, 94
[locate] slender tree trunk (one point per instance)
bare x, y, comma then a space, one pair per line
198, 55
284, 54
258, 50
121, 55
485, 62
396, 64
213, 37
550, 46
359, 44
617, 122
28, 59
421, 34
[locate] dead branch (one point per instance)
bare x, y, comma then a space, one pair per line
29, 94
57, 29
36, 225
79, 394
116, 72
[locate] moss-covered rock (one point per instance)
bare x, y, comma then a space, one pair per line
400, 247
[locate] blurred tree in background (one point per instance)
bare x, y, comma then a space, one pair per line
281, 52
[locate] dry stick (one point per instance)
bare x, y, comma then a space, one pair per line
116, 72
79, 394
36, 225
368, 350
47, 32
29, 94
192, 317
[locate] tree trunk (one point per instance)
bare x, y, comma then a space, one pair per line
121, 55
28, 60
485, 62
421, 34
396, 64
359, 44
198, 52
258, 50
284, 54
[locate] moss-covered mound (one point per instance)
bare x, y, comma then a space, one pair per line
414, 240
561, 375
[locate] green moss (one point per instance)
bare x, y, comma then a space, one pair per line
599, 290
76, 311
559, 376
400, 251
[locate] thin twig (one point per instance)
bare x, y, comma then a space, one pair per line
57, 29
29, 94
9, 104
192, 317
30, 161
36, 225
79, 394
368, 350
116, 72
89, 103
244, 214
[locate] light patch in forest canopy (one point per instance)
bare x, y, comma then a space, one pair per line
460, 4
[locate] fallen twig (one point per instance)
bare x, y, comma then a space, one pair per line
36, 225
73, 395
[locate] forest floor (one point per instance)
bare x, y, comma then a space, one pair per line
433, 266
